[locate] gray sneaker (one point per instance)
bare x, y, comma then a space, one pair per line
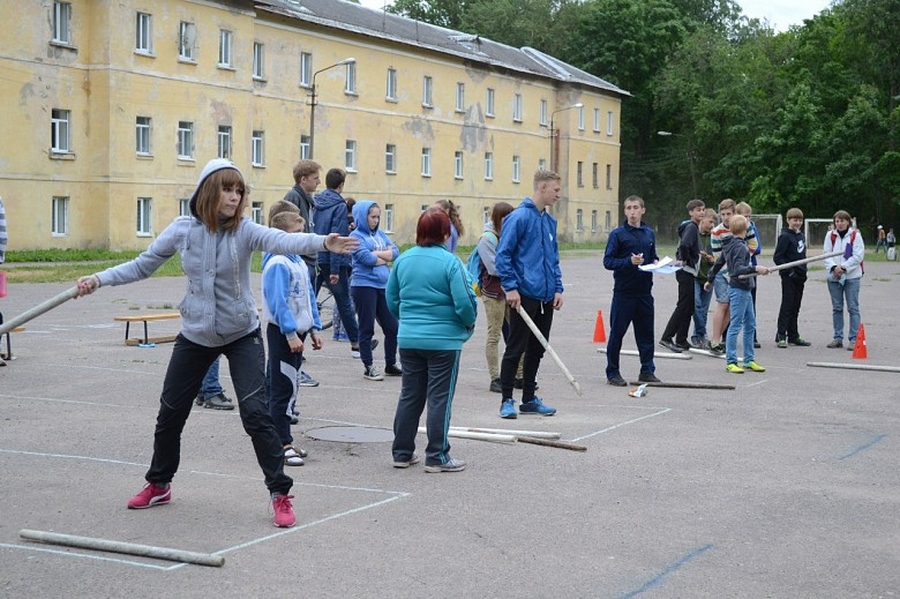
218, 402
413, 459
451, 465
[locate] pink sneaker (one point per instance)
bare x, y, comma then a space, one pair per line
284, 511
151, 495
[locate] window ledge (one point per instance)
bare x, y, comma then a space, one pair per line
143, 156
58, 155
254, 165
145, 53
63, 45
226, 67
355, 94
186, 60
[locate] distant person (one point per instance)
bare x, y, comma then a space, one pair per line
755, 245
456, 226
629, 246
687, 254
891, 242
791, 246
3, 241
219, 316
429, 293
881, 242
528, 265
844, 276
702, 297
211, 394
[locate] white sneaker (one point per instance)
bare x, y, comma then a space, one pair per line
293, 457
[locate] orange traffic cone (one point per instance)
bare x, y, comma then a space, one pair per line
859, 350
599, 331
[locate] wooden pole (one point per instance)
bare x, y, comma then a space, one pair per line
551, 443
688, 385
45, 306
666, 355
174, 555
490, 437
795, 263
540, 337
870, 367
503, 431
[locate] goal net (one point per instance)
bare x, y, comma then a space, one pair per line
769, 226
815, 230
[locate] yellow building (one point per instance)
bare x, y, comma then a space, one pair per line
111, 109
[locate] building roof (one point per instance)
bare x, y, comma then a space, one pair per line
358, 19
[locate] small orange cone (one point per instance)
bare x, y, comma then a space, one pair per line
599, 331
859, 350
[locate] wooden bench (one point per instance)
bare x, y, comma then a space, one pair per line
145, 318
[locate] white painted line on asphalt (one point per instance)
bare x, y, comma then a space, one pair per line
84, 555
621, 424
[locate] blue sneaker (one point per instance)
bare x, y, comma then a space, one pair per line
508, 409
536, 406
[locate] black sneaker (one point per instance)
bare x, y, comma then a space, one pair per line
717, 349
648, 377
495, 386
519, 384
393, 370
617, 381
670, 345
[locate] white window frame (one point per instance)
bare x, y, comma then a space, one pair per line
226, 49
256, 212
62, 22
224, 142
427, 91
306, 70
610, 122
426, 162
457, 165
607, 221
144, 214
594, 221
60, 131
259, 61
542, 164
390, 158
258, 148
142, 130
488, 166
350, 155
595, 175
544, 113
304, 147
460, 97
517, 108
187, 41
579, 173
596, 120
185, 137
489, 101
390, 85
350, 78
184, 206
59, 217
387, 218
579, 220
143, 34
516, 168
609, 176
581, 118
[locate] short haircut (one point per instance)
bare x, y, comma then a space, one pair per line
738, 225
281, 206
794, 213
711, 213
305, 168
726, 204
743, 208
542, 175
634, 198
335, 177
693, 204
433, 227
287, 220
843, 215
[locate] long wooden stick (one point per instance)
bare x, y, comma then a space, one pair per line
795, 263
871, 367
45, 306
687, 385
551, 443
504, 431
174, 555
490, 437
540, 337
656, 354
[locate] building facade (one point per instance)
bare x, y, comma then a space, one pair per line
113, 108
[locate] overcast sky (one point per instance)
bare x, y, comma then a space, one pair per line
780, 13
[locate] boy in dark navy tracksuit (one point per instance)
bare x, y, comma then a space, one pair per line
630, 246
791, 247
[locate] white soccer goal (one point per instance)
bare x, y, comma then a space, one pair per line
815, 230
769, 227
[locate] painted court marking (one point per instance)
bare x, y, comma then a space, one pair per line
660, 411
658, 580
864, 447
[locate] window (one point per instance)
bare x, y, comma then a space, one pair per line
516, 169
427, 91
143, 39
350, 155
59, 131
457, 165
581, 118
608, 176
62, 23
144, 215
460, 97
304, 147
185, 140
542, 164
390, 88
579, 220
224, 141
489, 103
579, 173
306, 71
485, 214
225, 48
390, 158
256, 212
596, 120
608, 221
142, 135
426, 162
60, 216
184, 207
489, 166
610, 123
350, 78
259, 60
258, 148
387, 218
517, 108
595, 175
543, 113
187, 37
594, 222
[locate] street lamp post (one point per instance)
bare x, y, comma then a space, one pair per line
690, 152
312, 102
553, 144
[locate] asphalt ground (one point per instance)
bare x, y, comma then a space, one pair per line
786, 487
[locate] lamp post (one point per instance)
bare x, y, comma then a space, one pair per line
690, 152
553, 136
312, 102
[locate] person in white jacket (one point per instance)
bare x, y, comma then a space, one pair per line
218, 316
844, 276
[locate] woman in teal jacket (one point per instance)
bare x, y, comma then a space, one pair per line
429, 293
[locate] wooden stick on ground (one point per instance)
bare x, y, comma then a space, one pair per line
490, 437
665, 355
503, 431
673, 385
550, 443
871, 367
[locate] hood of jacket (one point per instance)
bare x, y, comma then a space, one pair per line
361, 215
328, 198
